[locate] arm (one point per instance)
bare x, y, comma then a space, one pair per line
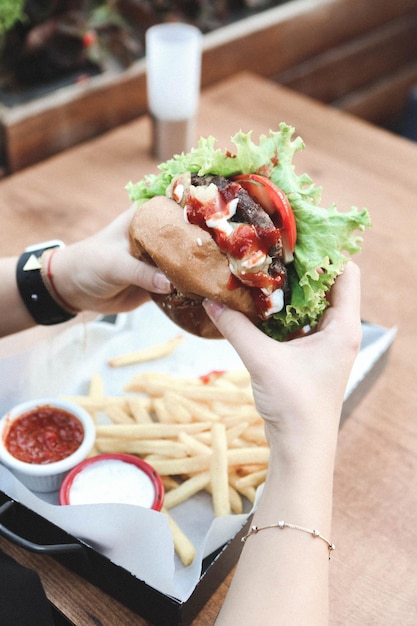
282, 575
96, 274
13, 316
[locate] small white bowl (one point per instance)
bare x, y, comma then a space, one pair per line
47, 476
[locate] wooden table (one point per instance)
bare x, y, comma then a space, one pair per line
374, 570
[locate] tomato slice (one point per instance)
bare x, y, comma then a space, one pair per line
274, 201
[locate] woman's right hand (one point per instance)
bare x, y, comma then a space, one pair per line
299, 385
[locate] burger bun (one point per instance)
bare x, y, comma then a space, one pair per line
193, 263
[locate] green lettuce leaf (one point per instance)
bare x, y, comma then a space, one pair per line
326, 237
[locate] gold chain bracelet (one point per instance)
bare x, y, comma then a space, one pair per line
281, 525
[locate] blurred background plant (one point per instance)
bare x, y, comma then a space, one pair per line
48, 40
11, 11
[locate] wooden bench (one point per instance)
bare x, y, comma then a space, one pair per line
358, 56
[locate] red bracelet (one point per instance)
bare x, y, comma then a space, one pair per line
55, 293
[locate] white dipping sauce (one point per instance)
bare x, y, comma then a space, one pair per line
111, 481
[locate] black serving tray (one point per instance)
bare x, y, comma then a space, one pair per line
31, 531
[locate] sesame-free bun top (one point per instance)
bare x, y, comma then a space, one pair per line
193, 263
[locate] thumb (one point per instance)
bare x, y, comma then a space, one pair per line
241, 333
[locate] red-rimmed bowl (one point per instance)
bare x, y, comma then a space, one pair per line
113, 478
23, 450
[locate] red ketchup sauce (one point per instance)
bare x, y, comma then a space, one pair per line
211, 376
43, 435
244, 240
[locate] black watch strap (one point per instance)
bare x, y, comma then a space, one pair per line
33, 291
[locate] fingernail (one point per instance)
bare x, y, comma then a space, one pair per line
161, 283
213, 309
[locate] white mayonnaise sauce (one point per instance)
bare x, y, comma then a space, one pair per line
220, 220
112, 481
275, 302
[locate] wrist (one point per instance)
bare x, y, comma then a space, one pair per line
301, 492
36, 290
302, 465
54, 282
304, 440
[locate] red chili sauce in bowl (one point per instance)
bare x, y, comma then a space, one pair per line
43, 435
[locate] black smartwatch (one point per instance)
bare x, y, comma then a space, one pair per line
44, 309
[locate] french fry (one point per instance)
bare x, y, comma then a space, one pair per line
150, 458
204, 437
228, 396
193, 445
186, 490
255, 434
110, 445
244, 470
235, 432
236, 504
161, 447
147, 354
248, 492
162, 412
238, 442
169, 483
119, 414
240, 456
156, 384
199, 411
254, 479
239, 378
96, 387
183, 546
178, 467
243, 408
97, 404
239, 415
148, 431
175, 407
219, 471
224, 384
140, 410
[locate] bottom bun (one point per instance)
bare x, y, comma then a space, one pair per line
188, 314
193, 263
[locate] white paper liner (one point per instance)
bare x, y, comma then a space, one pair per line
63, 365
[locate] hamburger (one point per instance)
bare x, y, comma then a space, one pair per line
243, 228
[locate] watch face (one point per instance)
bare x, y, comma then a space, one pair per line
53, 243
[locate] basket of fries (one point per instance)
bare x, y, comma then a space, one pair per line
184, 406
